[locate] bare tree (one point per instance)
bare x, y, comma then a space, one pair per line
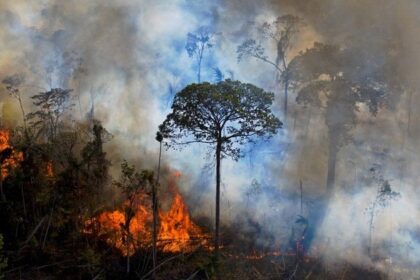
197, 43
51, 106
384, 196
12, 84
281, 32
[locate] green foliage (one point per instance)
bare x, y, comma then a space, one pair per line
230, 112
131, 181
57, 186
94, 162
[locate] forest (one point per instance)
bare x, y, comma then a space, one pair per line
228, 139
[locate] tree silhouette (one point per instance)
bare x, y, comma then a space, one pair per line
197, 43
384, 196
282, 32
338, 81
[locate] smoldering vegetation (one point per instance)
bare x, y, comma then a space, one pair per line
336, 187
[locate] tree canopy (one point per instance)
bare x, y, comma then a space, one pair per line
339, 80
229, 112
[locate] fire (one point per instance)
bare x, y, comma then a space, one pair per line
49, 169
176, 228
10, 158
112, 228
176, 231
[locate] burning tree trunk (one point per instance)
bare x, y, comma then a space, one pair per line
129, 214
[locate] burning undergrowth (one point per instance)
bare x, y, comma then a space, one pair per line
176, 230
9, 157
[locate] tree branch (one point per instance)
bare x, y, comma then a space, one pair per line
267, 61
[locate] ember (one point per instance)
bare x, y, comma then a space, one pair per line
49, 169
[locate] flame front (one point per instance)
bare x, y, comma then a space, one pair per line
10, 158
176, 228
176, 232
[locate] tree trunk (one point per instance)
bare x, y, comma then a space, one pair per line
332, 160
301, 197
23, 200
128, 256
154, 235
216, 238
199, 70
372, 215
409, 113
200, 58
286, 97
154, 205
126, 229
318, 215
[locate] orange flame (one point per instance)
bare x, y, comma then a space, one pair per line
49, 169
176, 233
176, 228
11, 160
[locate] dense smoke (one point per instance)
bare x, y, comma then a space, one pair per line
126, 59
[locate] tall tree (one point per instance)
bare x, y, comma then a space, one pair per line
224, 115
338, 81
94, 164
197, 43
281, 32
12, 84
51, 106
